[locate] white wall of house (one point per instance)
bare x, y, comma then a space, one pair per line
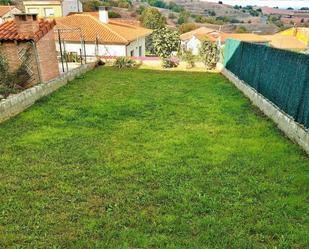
193, 44
103, 50
137, 47
69, 6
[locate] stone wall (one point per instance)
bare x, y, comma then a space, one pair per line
291, 129
17, 103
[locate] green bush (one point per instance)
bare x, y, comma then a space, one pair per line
124, 62
113, 14
210, 54
188, 57
170, 62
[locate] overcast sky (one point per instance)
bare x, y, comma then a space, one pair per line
270, 3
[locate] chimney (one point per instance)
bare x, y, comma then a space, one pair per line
103, 14
27, 24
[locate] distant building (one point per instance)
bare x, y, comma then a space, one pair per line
7, 13
102, 36
193, 40
291, 39
25, 36
55, 8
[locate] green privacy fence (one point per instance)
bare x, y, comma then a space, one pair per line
280, 76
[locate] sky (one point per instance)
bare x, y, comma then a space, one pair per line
271, 3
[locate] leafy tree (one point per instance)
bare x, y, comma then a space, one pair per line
241, 29
113, 14
152, 18
5, 2
183, 17
209, 54
186, 27
165, 41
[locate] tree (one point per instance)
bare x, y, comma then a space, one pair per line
5, 2
183, 17
152, 18
209, 53
186, 27
165, 41
241, 29
91, 5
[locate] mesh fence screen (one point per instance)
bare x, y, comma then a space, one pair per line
280, 76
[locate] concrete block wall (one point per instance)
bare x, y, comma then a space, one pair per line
17, 103
290, 128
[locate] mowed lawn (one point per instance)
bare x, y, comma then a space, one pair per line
150, 159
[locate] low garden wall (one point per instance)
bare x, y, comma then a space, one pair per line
291, 129
17, 103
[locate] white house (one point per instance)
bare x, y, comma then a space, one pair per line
7, 12
71, 6
193, 40
102, 36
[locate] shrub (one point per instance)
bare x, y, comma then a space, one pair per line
186, 27
188, 57
170, 62
209, 53
241, 29
124, 62
113, 14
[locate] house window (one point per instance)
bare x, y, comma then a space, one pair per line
33, 10
132, 53
49, 12
140, 51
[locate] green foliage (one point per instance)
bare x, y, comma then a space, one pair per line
162, 4
183, 17
241, 29
93, 5
210, 12
186, 27
209, 54
188, 57
165, 41
113, 14
152, 18
150, 159
124, 62
275, 19
5, 2
170, 62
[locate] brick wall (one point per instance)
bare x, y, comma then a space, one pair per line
10, 50
47, 57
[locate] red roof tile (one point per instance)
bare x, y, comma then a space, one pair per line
8, 31
5, 9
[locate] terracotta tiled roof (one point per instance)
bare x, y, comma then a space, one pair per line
130, 21
214, 36
8, 31
91, 28
200, 31
285, 42
5, 9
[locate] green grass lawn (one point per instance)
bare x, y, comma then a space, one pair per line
150, 159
